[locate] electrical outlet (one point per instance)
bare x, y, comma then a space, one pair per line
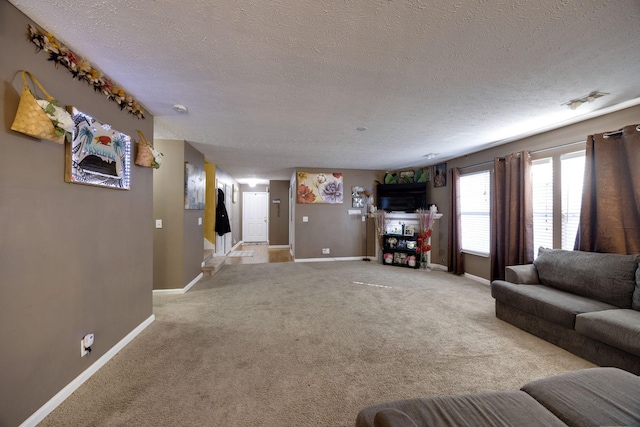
85, 345
325, 251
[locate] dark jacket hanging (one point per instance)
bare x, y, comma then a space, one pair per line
222, 219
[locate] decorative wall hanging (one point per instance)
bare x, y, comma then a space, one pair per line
97, 154
194, 186
440, 179
83, 70
147, 156
41, 118
315, 187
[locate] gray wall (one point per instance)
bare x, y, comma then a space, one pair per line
74, 258
330, 225
481, 266
178, 247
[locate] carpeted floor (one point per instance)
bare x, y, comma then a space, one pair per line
308, 344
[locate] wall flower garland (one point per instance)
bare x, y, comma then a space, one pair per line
83, 70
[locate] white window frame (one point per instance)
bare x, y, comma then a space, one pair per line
484, 209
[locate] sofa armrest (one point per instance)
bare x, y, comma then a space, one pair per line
522, 274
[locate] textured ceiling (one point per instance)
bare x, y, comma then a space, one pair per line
273, 85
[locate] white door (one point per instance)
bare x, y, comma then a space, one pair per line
255, 217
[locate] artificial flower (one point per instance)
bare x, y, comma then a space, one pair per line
305, 195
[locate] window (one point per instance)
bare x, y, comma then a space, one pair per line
542, 177
572, 169
556, 202
475, 210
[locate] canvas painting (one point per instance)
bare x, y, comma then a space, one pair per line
194, 186
98, 154
313, 187
440, 179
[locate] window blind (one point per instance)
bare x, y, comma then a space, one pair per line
475, 210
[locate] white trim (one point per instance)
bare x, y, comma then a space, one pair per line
278, 246
438, 267
477, 279
179, 290
237, 245
353, 258
62, 395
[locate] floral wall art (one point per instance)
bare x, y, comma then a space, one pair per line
97, 154
319, 187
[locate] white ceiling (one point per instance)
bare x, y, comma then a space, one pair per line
273, 85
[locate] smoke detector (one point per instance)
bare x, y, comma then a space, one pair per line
179, 108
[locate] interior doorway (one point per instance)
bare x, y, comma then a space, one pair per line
223, 243
255, 217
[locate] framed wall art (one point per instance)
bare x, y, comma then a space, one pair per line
318, 187
97, 154
440, 179
194, 186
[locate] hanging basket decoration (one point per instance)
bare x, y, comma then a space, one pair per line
83, 70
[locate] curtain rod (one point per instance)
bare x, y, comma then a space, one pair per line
488, 162
617, 132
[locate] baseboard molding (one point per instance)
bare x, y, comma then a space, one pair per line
438, 267
237, 245
356, 258
179, 290
477, 279
62, 395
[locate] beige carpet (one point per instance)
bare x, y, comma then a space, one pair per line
309, 344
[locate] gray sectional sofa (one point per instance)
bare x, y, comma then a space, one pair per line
589, 397
587, 303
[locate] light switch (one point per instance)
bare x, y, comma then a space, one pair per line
199, 221
305, 219
158, 223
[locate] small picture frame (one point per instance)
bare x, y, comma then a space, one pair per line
357, 202
440, 178
409, 230
406, 176
357, 191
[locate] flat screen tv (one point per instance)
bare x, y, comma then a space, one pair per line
402, 197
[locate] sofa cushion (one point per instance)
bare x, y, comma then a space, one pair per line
636, 294
606, 277
618, 328
506, 408
547, 303
590, 397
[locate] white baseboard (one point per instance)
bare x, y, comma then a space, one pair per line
438, 267
355, 258
179, 290
62, 395
477, 279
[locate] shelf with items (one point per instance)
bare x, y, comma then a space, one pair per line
400, 250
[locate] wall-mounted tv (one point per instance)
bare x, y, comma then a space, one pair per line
402, 197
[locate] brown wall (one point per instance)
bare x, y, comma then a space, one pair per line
330, 225
74, 258
480, 266
168, 206
179, 244
279, 213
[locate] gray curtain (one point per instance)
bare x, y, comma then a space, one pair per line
512, 217
610, 213
454, 257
